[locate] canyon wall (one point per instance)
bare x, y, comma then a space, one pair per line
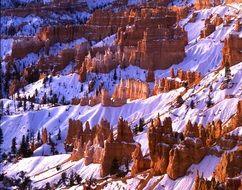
232, 50
97, 144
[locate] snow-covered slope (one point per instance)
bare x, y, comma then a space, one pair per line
202, 55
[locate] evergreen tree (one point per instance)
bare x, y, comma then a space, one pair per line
44, 99
227, 74
141, 124
52, 148
78, 178
25, 104
13, 146
36, 92
47, 186
23, 148
49, 139
1, 139
38, 136
72, 179
59, 135
192, 104
31, 106
115, 75
63, 177
114, 167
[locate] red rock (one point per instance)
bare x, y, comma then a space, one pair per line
124, 132
44, 136
150, 76
231, 50
183, 156
229, 166
208, 29
131, 89
139, 162
25, 46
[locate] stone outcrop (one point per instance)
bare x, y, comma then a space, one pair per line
213, 184
74, 129
232, 50
186, 79
191, 151
150, 38
150, 76
139, 162
181, 12
24, 46
205, 4
97, 145
209, 28
160, 140
238, 25
230, 166
208, 134
44, 137
169, 152
146, 42
45, 10
217, 20
124, 132
131, 89
102, 63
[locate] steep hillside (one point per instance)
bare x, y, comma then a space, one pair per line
121, 94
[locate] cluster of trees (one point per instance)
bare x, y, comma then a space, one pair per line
24, 148
21, 181
139, 127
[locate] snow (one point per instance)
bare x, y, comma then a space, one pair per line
206, 166
108, 41
6, 47
203, 55
57, 117
92, 4
43, 169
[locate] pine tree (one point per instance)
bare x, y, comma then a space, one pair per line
72, 179
114, 167
23, 148
49, 139
52, 148
36, 92
115, 75
38, 136
1, 139
25, 105
141, 124
13, 146
192, 104
59, 135
227, 74
63, 177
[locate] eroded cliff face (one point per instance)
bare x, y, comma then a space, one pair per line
205, 184
170, 153
146, 38
186, 79
147, 42
24, 46
131, 89
232, 50
230, 166
97, 145
204, 4
209, 28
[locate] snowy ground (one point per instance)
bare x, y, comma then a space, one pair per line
203, 55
